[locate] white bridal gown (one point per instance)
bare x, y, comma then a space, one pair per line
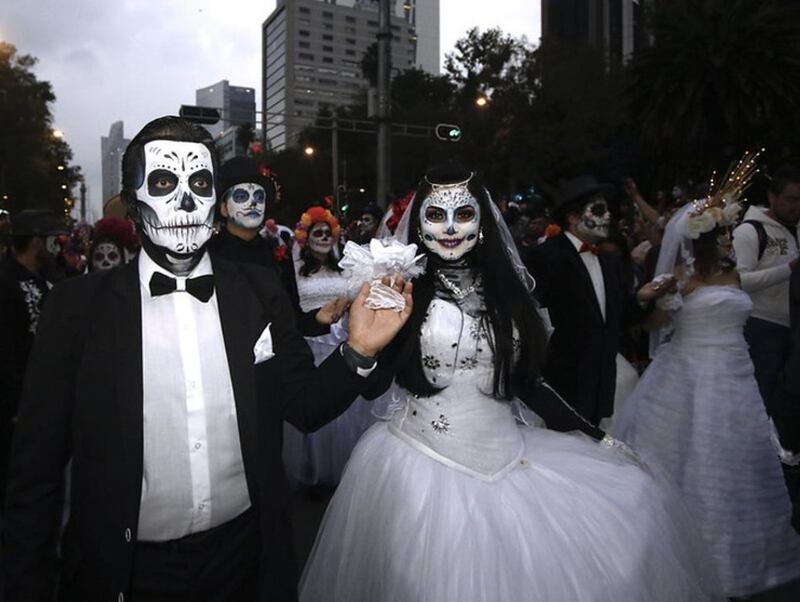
453, 500
320, 457
697, 414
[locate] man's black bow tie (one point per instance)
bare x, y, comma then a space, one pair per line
201, 287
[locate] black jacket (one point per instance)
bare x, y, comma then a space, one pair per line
22, 295
581, 362
82, 400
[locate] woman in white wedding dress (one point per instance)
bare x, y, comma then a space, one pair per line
697, 412
454, 499
319, 458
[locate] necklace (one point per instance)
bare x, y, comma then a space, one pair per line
454, 288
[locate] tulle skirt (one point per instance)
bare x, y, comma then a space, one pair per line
572, 522
319, 458
698, 415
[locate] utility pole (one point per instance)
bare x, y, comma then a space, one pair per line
383, 116
83, 201
335, 160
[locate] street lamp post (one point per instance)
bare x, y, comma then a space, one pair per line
383, 117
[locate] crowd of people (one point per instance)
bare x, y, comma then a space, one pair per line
587, 396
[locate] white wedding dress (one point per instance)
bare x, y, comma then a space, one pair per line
697, 414
320, 457
453, 500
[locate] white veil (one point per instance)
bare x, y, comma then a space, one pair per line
676, 250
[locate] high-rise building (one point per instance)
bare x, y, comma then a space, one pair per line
616, 26
312, 51
237, 105
112, 147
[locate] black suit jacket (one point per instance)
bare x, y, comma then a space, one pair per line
581, 361
82, 400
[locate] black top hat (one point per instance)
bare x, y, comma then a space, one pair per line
244, 170
373, 210
578, 189
38, 222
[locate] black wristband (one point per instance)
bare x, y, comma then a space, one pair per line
355, 360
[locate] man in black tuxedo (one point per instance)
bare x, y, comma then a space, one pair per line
584, 293
166, 382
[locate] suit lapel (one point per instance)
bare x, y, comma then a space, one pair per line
581, 274
240, 317
128, 347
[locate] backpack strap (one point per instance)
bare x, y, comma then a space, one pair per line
762, 236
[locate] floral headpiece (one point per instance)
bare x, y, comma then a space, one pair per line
315, 215
724, 202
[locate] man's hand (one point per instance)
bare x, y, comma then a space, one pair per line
331, 312
371, 330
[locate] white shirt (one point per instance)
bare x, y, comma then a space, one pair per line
193, 473
595, 272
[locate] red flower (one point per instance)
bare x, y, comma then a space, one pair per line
280, 253
552, 230
256, 148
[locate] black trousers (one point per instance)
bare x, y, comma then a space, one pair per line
218, 565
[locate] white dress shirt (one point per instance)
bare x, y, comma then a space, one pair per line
595, 272
193, 472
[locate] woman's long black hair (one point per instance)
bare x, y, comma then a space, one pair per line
508, 302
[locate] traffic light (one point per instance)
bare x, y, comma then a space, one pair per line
448, 132
195, 114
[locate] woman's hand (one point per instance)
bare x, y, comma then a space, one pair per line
332, 311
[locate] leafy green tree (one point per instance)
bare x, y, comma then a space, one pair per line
721, 77
30, 154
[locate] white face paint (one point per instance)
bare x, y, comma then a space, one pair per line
595, 219
106, 256
246, 204
176, 199
53, 245
450, 221
320, 238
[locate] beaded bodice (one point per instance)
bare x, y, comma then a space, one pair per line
462, 425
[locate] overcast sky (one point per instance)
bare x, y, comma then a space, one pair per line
134, 60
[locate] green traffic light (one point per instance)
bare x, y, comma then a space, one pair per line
455, 133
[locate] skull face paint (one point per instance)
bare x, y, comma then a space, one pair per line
595, 219
320, 238
246, 205
106, 256
176, 199
450, 221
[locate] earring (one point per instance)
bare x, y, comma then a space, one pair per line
480, 236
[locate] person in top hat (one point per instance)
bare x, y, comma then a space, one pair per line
24, 286
584, 293
247, 191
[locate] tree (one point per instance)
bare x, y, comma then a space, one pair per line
30, 153
722, 76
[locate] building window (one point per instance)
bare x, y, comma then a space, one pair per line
349, 29
305, 56
327, 82
372, 23
304, 33
350, 52
327, 25
304, 21
327, 59
304, 10
350, 41
327, 36
327, 48
304, 44
350, 19
326, 14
